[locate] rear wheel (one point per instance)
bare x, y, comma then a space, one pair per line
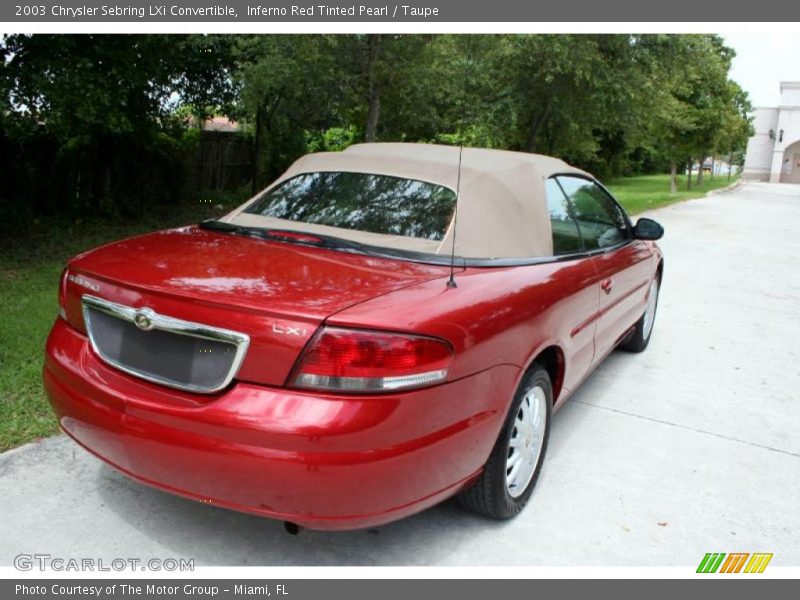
513, 467
640, 337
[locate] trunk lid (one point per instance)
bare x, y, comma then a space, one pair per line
275, 292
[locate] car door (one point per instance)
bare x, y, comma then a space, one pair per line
623, 263
578, 275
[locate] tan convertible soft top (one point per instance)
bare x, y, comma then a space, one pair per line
502, 210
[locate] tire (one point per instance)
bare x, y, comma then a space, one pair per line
638, 340
491, 495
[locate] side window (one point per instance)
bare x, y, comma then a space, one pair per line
601, 222
566, 237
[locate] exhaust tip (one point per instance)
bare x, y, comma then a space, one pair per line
291, 528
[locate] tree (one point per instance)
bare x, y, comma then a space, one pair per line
289, 84
582, 97
373, 93
100, 122
106, 103
697, 109
378, 74
736, 127
673, 121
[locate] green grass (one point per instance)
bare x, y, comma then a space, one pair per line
646, 192
31, 262
27, 310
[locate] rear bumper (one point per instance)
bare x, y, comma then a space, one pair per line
321, 461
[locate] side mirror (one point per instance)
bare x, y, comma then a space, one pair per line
647, 229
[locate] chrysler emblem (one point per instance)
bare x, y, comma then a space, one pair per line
143, 319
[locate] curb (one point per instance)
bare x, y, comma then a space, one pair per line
7, 454
672, 205
727, 188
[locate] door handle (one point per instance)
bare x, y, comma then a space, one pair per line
607, 285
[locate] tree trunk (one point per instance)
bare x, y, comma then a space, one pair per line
78, 182
730, 165
713, 163
689, 175
255, 154
673, 176
373, 93
95, 175
107, 151
700, 172
535, 127
372, 116
264, 118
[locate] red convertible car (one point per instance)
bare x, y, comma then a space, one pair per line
378, 330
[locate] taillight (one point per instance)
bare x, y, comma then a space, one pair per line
351, 360
62, 295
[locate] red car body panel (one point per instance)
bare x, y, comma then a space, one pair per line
321, 461
328, 460
260, 287
498, 315
625, 274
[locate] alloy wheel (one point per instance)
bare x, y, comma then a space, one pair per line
525, 443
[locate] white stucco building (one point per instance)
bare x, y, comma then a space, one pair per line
773, 153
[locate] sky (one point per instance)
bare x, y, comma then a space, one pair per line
762, 62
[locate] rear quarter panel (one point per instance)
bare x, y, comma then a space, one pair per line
496, 315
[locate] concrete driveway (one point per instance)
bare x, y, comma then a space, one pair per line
691, 447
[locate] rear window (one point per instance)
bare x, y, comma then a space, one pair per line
361, 201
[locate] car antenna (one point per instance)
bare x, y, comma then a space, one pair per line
451, 282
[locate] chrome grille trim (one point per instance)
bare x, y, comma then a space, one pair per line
169, 324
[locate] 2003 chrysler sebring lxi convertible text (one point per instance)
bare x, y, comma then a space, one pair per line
378, 330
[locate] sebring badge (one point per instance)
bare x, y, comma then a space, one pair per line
143, 319
78, 280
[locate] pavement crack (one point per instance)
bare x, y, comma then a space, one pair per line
688, 428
